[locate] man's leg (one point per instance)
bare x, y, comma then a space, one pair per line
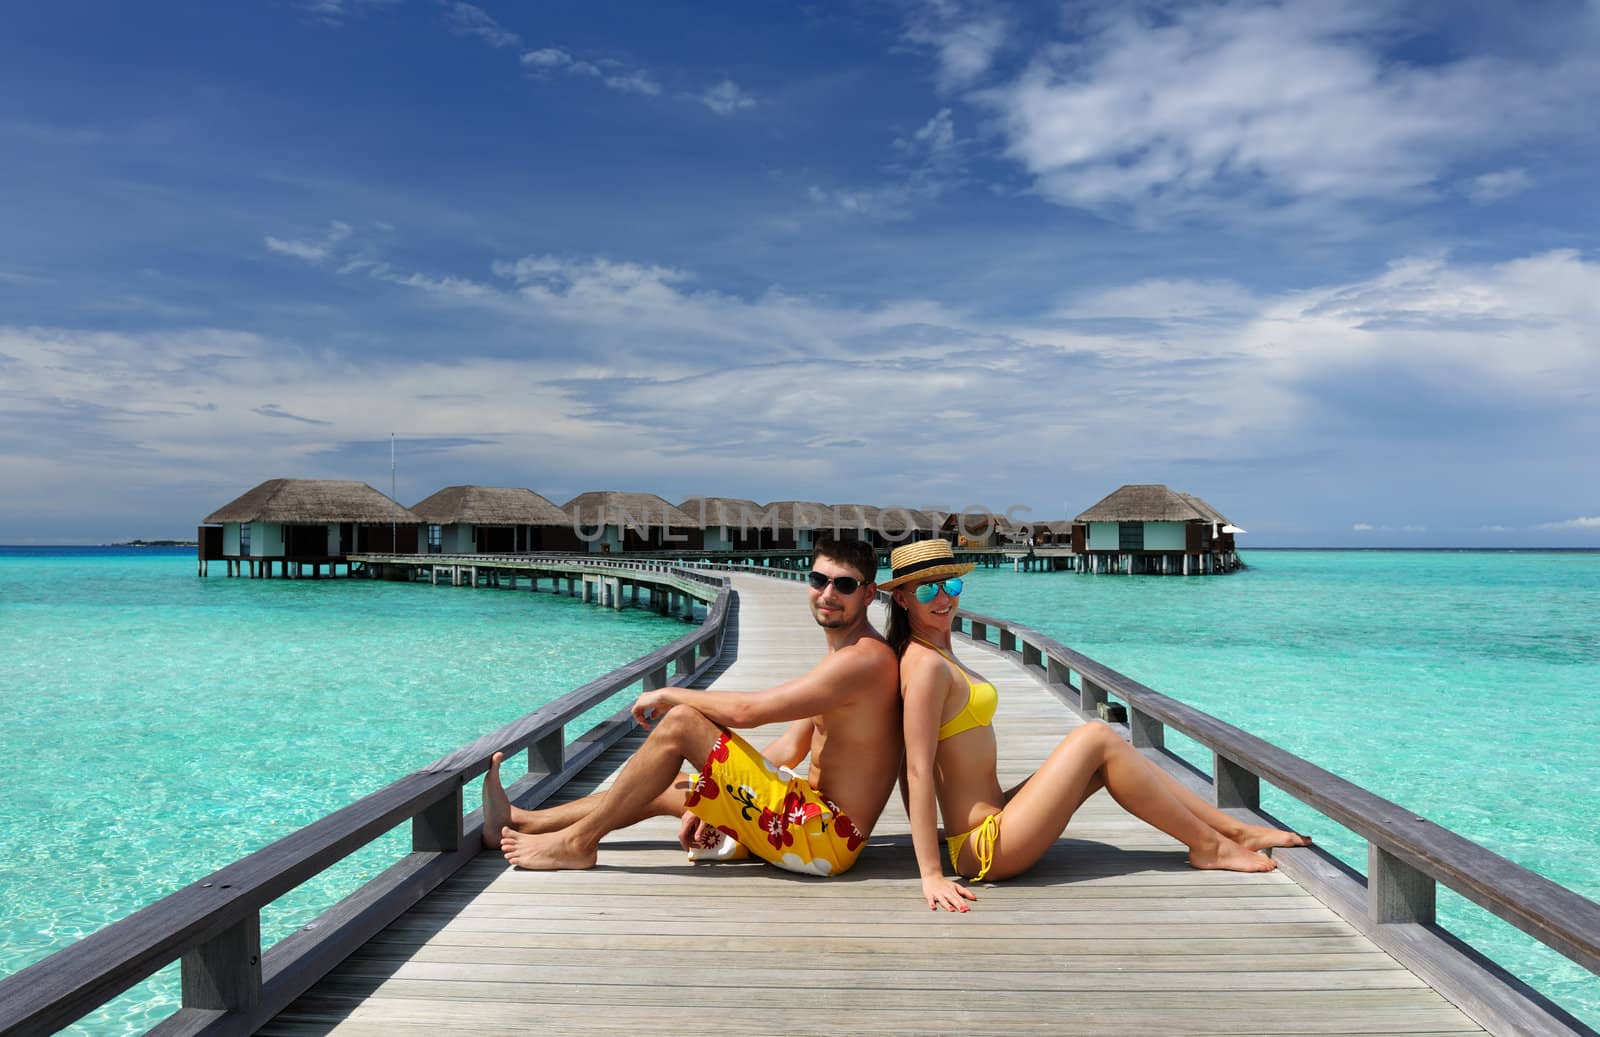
682, 734
499, 813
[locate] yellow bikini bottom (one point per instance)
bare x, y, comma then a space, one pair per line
983, 839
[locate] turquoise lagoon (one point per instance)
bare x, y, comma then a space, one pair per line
159, 726
1464, 686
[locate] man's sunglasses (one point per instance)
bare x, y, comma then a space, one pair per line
926, 592
846, 584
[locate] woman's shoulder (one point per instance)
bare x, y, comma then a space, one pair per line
922, 666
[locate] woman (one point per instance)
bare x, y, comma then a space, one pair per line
950, 759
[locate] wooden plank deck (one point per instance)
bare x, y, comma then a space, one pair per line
1111, 933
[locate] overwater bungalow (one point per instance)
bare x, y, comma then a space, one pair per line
726, 523
1148, 528
974, 529
493, 520
607, 521
796, 525
289, 524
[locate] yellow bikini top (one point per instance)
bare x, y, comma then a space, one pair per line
981, 701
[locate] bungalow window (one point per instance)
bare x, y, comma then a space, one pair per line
435, 540
244, 539
1130, 536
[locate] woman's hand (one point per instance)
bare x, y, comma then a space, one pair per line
938, 891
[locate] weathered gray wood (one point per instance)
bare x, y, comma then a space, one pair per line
1114, 936
64, 986
1144, 730
1557, 917
1235, 785
224, 972
438, 827
1397, 892
547, 754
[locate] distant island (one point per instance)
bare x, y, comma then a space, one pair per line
155, 543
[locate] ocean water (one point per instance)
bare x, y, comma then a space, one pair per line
159, 726
1464, 686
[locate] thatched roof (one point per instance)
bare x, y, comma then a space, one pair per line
610, 508
311, 501
1147, 502
1206, 511
799, 514
860, 517
723, 511
489, 506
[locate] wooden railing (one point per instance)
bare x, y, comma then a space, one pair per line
1408, 856
214, 926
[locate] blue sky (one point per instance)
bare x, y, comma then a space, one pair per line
1335, 268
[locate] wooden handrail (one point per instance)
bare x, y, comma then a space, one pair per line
213, 925
1552, 914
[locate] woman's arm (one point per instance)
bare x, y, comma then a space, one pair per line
924, 684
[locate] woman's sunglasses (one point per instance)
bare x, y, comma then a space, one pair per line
846, 584
926, 592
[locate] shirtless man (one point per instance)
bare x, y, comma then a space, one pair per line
845, 713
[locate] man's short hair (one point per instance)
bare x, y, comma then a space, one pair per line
858, 554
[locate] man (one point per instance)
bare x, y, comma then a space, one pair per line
845, 713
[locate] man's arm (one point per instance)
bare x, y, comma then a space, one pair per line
833, 681
789, 748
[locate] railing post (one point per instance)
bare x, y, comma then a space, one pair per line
656, 678
1008, 640
1235, 786
980, 631
1057, 672
1090, 697
438, 828
223, 974
1031, 656
548, 755
1397, 892
1144, 730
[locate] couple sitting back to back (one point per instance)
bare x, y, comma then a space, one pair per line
847, 715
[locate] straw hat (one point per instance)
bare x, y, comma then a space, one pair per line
921, 561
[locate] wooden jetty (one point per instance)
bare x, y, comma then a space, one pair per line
1111, 933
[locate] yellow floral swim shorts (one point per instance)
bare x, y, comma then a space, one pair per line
774, 814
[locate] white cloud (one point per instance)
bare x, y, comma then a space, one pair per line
614, 74
314, 250
966, 42
1491, 187
726, 98
1363, 527
929, 166
470, 20
635, 82
1586, 522
1245, 108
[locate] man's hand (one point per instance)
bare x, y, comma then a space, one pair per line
695, 834
939, 891
651, 706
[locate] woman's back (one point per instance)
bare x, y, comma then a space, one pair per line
965, 759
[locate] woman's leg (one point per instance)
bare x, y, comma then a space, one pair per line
1251, 837
1091, 757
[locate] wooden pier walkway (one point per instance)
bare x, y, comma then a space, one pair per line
1111, 934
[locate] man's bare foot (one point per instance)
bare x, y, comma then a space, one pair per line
1258, 837
1230, 856
496, 807
548, 852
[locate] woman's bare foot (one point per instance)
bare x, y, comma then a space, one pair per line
1230, 856
496, 806
549, 852
1259, 837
